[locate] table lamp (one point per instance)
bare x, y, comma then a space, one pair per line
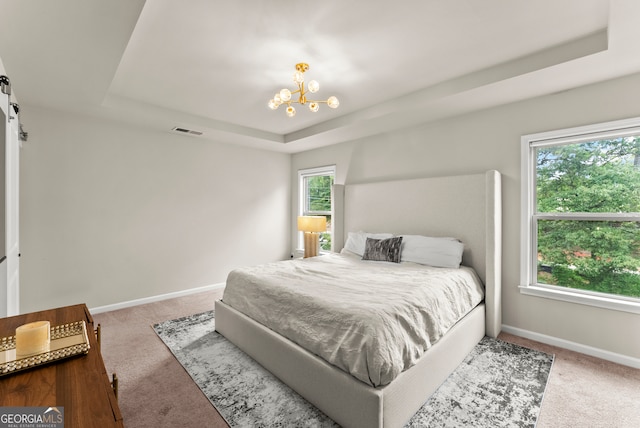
311, 226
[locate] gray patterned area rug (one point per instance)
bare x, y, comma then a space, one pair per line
499, 384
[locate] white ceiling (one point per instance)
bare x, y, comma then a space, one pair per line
211, 66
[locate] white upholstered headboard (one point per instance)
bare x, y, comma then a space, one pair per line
467, 207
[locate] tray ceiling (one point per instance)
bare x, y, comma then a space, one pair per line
211, 66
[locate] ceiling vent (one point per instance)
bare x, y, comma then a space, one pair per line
180, 130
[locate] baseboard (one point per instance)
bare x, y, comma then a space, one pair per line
157, 298
573, 346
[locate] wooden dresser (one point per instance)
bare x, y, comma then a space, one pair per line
79, 384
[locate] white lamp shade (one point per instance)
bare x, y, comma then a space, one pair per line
312, 223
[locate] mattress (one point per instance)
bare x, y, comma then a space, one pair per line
371, 319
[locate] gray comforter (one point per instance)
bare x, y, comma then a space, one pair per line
371, 319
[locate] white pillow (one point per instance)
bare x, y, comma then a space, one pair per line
356, 241
426, 250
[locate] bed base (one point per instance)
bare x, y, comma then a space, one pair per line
348, 401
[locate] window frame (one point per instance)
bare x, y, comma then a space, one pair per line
529, 216
302, 197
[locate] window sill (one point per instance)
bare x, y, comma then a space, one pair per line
299, 253
567, 295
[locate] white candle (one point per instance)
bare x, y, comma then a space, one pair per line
33, 338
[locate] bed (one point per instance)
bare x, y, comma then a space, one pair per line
466, 207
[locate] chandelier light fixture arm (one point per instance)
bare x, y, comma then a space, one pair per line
284, 96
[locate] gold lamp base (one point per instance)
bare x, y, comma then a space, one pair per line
311, 244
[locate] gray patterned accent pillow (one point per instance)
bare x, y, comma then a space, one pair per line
383, 250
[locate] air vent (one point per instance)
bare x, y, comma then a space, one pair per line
185, 131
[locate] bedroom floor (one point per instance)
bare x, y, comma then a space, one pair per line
156, 391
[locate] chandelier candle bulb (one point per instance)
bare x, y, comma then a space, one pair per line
285, 95
33, 338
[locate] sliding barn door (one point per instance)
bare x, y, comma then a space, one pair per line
9, 242
12, 204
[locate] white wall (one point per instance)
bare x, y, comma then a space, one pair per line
490, 139
112, 213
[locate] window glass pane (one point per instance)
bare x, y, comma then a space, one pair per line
325, 237
318, 194
601, 256
591, 177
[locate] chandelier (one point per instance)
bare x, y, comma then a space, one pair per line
284, 96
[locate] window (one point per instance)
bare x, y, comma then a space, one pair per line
315, 199
581, 215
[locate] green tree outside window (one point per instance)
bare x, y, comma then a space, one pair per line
600, 252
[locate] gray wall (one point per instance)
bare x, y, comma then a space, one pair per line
111, 213
490, 139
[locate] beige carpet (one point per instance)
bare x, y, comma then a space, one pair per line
155, 391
